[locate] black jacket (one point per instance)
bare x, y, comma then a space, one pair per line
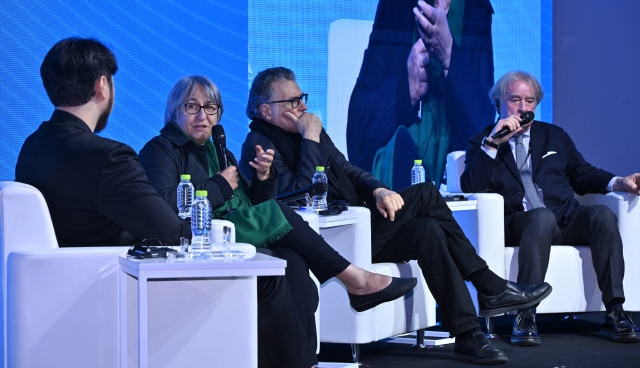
96, 189
558, 174
299, 173
171, 154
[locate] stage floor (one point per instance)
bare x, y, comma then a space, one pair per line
564, 343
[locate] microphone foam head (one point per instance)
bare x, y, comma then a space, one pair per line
527, 117
217, 133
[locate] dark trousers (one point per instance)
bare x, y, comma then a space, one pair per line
282, 339
286, 322
425, 230
536, 230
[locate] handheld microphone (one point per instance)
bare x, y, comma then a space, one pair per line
220, 142
526, 117
314, 189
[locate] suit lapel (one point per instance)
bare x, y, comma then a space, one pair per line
536, 144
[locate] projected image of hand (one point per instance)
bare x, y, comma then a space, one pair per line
417, 69
434, 30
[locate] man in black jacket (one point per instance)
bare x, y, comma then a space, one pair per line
423, 229
537, 169
96, 190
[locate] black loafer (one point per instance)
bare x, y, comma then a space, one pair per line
477, 349
397, 288
525, 331
515, 297
619, 327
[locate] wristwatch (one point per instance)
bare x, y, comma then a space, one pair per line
487, 143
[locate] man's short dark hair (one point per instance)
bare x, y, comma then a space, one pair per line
261, 91
70, 69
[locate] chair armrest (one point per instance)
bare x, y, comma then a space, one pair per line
485, 228
626, 207
64, 304
455, 168
353, 242
490, 246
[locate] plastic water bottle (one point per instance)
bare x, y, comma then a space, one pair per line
201, 223
320, 201
185, 196
417, 173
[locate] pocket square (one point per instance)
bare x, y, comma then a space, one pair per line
549, 154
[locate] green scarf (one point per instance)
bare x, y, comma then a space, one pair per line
259, 225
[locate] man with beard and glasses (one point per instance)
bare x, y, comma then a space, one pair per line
96, 189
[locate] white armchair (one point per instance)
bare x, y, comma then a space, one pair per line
59, 306
571, 273
339, 323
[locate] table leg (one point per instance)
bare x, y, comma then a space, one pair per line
142, 322
123, 319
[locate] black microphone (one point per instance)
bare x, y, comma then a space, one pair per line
314, 189
220, 142
526, 117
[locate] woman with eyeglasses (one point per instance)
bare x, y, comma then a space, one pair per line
286, 305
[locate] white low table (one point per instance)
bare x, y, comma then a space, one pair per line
206, 310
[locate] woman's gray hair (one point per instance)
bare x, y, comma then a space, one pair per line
499, 90
183, 91
261, 91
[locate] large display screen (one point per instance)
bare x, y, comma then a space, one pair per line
157, 43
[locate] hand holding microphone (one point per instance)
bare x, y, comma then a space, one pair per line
220, 143
506, 128
231, 175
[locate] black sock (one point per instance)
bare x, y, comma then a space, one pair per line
467, 334
613, 304
487, 282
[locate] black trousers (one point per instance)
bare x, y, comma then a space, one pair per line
425, 230
287, 334
282, 339
597, 226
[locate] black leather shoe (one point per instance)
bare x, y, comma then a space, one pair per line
477, 349
397, 288
525, 331
619, 327
515, 297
